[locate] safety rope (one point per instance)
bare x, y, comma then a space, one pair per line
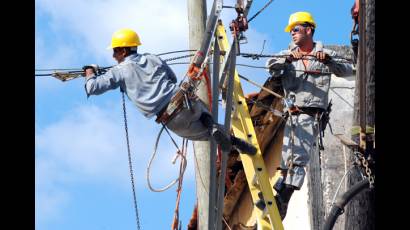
130, 162
208, 88
179, 153
176, 223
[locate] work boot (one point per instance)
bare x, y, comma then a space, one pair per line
283, 198
227, 142
243, 146
221, 138
217, 132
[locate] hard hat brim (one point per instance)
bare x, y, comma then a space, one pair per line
130, 45
289, 27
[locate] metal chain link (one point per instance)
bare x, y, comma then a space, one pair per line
363, 161
368, 171
130, 161
179, 57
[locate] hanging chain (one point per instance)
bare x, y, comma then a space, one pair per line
369, 175
361, 160
130, 162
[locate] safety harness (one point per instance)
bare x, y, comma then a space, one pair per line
186, 93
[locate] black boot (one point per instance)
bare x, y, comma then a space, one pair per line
221, 138
217, 132
243, 146
225, 140
283, 198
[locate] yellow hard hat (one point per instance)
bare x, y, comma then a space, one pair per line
124, 38
298, 18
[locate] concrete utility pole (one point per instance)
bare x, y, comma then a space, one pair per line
360, 212
205, 161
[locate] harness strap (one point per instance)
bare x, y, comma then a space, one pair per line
175, 105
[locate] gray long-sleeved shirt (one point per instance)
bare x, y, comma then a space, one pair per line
147, 80
310, 90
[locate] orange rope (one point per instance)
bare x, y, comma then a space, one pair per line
208, 87
175, 223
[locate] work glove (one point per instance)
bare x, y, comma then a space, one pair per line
90, 70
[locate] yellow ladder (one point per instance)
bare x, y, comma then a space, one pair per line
254, 166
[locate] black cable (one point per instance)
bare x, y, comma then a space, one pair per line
43, 75
80, 69
338, 208
179, 63
257, 56
245, 55
40, 70
178, 51
260, 11
253, 66
176, 58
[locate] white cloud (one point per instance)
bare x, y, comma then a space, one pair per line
82, 29
74, 33
88, 146
90, 142
49, 199
160, 24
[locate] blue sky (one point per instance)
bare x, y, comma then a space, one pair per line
82, 178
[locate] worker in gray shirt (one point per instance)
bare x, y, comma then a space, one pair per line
305, 71
152, 86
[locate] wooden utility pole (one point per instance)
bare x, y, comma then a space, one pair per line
360, 211
205, 160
